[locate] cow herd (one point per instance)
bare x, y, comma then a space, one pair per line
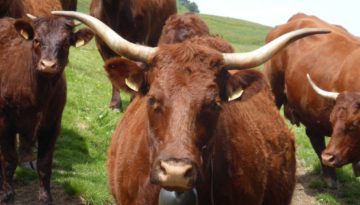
201, 120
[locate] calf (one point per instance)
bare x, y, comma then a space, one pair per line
189, 127
33, 92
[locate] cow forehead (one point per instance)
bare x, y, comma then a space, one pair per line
54, 28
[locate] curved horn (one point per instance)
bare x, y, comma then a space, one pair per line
321, 92
259, 56
30, 16
111, 38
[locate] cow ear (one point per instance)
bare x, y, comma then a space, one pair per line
244, 84
25, 29
82, 37
126, 75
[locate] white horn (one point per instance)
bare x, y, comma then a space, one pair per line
30, 16
321, 92
111, 38
259, 56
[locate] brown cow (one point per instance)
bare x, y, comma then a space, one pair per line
33, 92
138, 21
188, 128
331, 60
11, 8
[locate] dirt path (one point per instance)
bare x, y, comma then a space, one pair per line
27, 194
303, 195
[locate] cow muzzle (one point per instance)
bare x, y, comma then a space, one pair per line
175, 175
47, 66
332, 160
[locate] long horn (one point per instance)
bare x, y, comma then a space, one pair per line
111, 38
321, 92
237, 61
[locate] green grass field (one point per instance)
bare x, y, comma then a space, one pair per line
81, 151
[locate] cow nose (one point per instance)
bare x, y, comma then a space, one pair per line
176, 175
328, 159
46, 65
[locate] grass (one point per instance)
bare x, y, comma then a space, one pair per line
81, 151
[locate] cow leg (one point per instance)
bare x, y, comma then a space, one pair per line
116, 102
318, 143
356, 168
8, 162
46, 144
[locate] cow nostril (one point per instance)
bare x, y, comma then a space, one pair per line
328, 158
48, 64
162, 168
189, 173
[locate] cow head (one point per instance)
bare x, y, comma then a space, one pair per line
184, 88
51, 38
344, 145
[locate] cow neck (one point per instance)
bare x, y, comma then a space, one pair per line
210, 155
42, 85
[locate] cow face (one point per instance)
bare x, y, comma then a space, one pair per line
51, 39
184, 90
344, 146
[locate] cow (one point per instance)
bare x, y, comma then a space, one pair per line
190, 127
33, 92
138, 21
11, 8
331, 61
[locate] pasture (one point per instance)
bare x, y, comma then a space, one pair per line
81, 151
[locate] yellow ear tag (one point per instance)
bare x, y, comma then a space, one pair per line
133, 86
79, 43
236, 94
24, 34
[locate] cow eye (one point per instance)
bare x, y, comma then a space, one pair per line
153, 102
37, 42
215, 106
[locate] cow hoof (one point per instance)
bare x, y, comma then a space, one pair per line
45, 199
331, 183
116, 106
7, 197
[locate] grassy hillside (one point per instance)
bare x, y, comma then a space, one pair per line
81, 151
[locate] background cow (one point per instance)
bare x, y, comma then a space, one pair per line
187, 127
19, 8
33, 92
11, 8
138, 21
333, 63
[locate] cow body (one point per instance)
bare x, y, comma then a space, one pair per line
250, 147
32, 93
139, 21
332, 62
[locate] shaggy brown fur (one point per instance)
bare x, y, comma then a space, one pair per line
180, 27
332, 61
33, 92
138, 21
181, 113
